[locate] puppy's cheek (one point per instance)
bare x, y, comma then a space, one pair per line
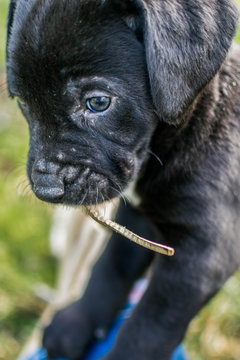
94, 188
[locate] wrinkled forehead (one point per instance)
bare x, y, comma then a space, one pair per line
60, 38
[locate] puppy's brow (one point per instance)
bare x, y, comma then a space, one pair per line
76, 88
98, 80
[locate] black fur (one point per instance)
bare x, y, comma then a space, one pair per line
173, 126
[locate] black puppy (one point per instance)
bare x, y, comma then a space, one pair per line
108, 88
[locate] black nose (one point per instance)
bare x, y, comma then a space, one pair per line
47, 183
49, 193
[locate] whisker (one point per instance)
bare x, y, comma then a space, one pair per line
96, 195
3, 87
22, 183
84, 197
29, 193
116, 184
103, 205
3, 84
125, 199
103, 199
156, 157
26, 190
122, 196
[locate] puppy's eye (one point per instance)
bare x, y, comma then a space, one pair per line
99, 103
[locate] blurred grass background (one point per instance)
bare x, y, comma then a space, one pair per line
25, 258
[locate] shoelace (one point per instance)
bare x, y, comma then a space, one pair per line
112, 225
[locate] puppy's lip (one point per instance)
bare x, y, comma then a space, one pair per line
49, 193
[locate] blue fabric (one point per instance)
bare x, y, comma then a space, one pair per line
101, 347
179, 354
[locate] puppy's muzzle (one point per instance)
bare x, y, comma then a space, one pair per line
48, 183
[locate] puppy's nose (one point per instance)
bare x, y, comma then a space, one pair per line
47, 183
49, 193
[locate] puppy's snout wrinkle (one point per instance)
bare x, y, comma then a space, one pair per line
43, 166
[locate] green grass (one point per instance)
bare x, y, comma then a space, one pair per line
3, 22
24, 226
237, 38
215, 333
25, 259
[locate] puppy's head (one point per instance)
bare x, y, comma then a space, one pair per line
81, 79
92, 75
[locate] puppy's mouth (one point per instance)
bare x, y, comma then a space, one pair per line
72, 185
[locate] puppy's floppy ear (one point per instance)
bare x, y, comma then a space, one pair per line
186, 42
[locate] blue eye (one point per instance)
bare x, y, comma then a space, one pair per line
98, 103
